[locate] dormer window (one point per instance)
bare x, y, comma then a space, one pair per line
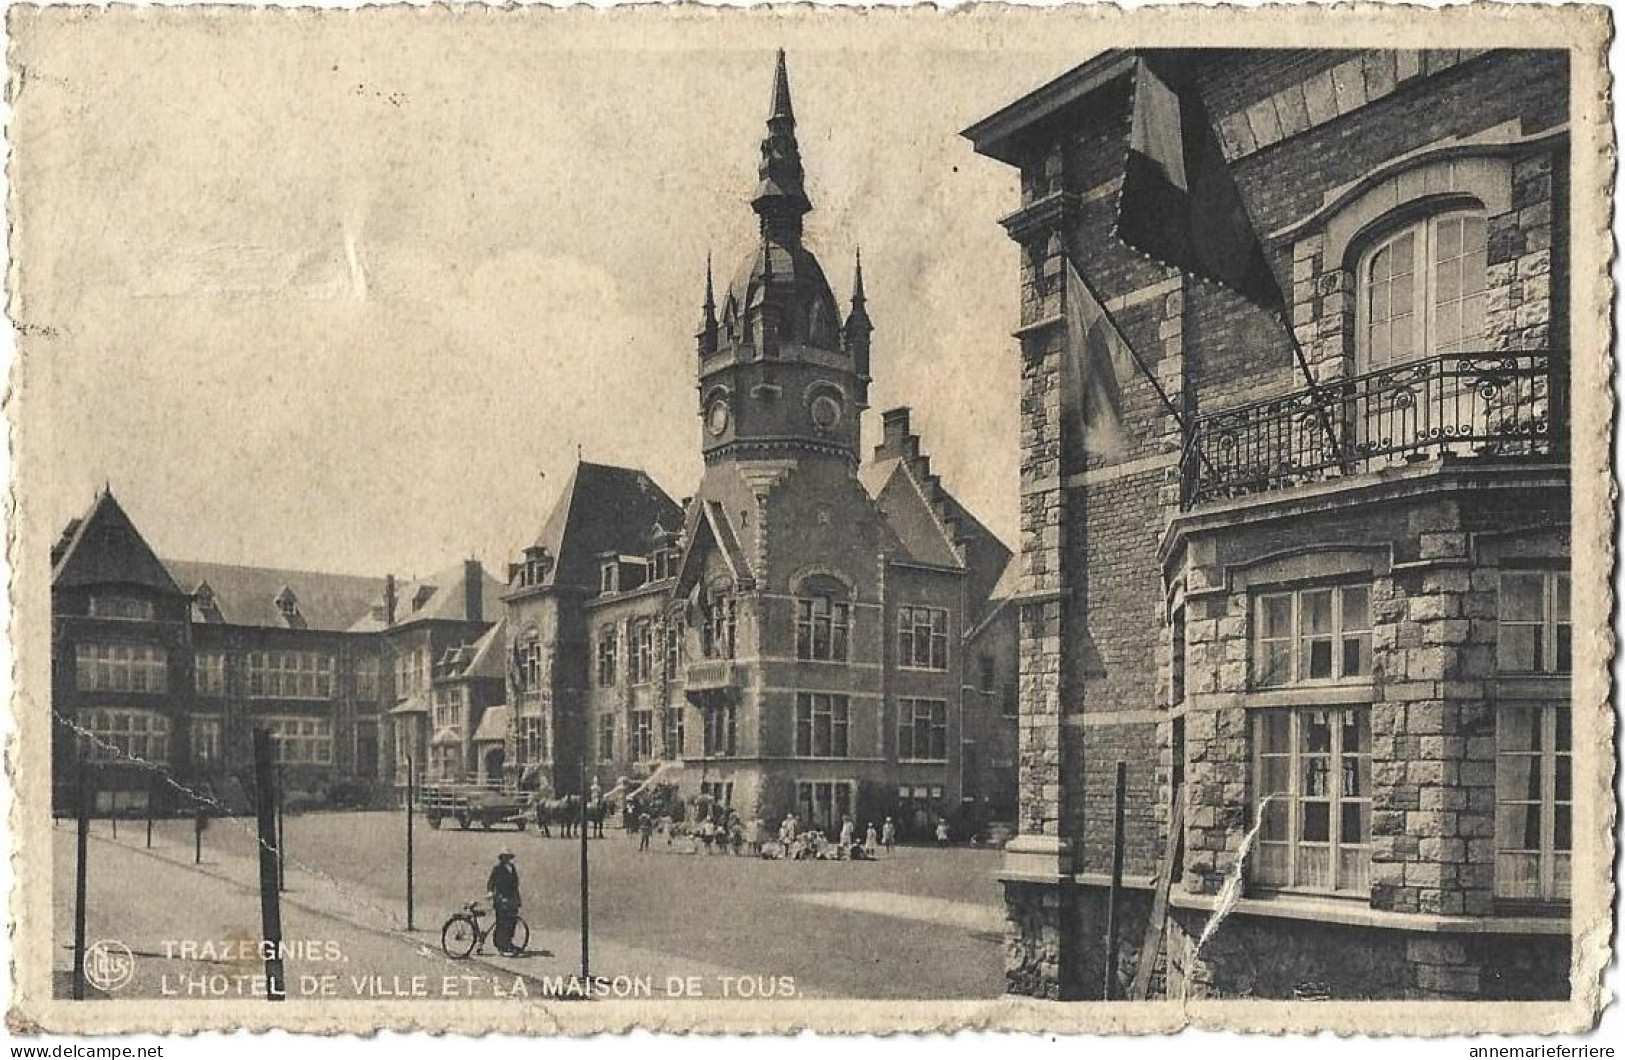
287, 604
422, 596
208, 607
609, 576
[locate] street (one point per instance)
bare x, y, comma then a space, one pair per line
925, 923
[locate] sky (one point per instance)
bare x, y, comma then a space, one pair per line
350, 293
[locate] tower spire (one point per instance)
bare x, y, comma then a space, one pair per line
781, 195
707, 335
855, 334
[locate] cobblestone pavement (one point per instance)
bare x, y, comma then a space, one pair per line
922, 924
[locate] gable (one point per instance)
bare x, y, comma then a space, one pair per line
105, 548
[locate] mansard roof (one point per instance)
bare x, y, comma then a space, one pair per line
602, 509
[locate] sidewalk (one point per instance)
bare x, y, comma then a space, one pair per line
182, 941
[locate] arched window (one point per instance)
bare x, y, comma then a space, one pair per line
1421, 291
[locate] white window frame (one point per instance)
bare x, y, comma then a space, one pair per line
205, 735
122, 609
640, 652
1295, 799
1555, 589
299, 739
289, 674
807, 802
124, 734
608, 649
1424, 285
835, 710
606, 737
909, 715
642, 747
833, 616
115, 667
721, 732
1551, 753
209, 673
915, 621
675, 731
1297, 637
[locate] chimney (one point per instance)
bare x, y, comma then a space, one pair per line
473, 590
894, 434
389, 599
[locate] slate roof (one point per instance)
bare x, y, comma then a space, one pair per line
493, 726
105, 548
246, 596
603, 509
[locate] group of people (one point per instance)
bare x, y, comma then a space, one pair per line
726, 832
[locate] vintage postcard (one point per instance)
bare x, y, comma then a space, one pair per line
745, 520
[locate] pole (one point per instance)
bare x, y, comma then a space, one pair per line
410, 853
112, 809
1117, 882
281, 835
149, 822
581, 786
197, 835
85, 791
270, 899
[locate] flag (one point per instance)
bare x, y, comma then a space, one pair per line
1098, 362
1179, 203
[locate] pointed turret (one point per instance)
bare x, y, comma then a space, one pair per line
781, 197
707, 335
855, 334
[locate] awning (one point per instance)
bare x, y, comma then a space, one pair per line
494, 724
448, 735
411, 705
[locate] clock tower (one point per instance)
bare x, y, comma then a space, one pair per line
780, 375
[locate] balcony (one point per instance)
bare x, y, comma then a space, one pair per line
706, 677
1503, 404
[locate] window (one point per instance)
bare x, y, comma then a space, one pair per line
530, 662
1422, 291
720, 792
989, 674
121, 668
366, 677
821, 725
203, 735
823, 628
640, 657
1533, 632
606, 737
1176, 683
717, 635
1313, 778
290, 675
448, 709
533, 743
121, 607
674, 648
673, 733
1534, 808
300, 740
124, 735
1313, 635
608, 576
824, 803
922, 730
721, 730
922, 638
210, 674
411, 672
606, 656
643, 735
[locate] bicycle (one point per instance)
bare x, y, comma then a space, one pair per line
462, 934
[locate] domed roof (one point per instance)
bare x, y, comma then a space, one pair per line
790, 275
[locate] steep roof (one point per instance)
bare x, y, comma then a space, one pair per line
602, 509
442, 596
910, 515
104, 547
246, 596
490, 653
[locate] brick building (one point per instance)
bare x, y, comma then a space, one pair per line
173, 663
1329, 496
806, 633
801, 634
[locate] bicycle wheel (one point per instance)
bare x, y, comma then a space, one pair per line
521, 934
459, 936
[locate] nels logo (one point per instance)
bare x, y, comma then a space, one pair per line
109, 965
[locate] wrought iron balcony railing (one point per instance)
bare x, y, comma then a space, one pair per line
1490, 404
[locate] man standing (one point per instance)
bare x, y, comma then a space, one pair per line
503, 887
888, 835
646, 827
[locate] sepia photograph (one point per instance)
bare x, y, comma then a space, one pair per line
751, 520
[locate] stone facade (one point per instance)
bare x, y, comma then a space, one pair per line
1178, 579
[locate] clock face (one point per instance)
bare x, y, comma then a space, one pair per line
716, 417
826, 412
